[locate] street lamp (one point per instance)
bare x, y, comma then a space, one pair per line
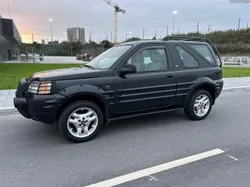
129, 35
64, 33
174, 13
51, 20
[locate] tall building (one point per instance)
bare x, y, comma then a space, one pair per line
9, 40
76, 34
43, 41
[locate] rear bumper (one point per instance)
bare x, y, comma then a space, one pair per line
219, 87
41, 108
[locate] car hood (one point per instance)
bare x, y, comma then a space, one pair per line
66, 74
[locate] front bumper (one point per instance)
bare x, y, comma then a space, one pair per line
43, 108
21, 105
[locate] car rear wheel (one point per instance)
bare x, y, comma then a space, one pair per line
81, 121
199, 105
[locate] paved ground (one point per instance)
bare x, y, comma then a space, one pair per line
34, 154
6, 96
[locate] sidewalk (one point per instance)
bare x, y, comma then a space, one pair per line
6, 96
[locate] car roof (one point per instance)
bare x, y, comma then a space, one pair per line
160, 42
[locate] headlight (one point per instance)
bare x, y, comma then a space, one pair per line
40, 87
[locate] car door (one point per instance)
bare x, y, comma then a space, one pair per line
191, 66
152, 86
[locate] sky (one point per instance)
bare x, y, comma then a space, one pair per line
97, 17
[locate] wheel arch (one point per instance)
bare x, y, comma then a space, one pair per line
85, 92
204, 84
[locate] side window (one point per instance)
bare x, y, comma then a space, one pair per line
150, 60
204, 51
187, 59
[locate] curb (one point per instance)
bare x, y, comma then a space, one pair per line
7, 108
8, 111
228, 89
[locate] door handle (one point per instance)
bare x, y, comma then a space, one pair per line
170, 75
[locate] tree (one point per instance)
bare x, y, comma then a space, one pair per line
133, 39
92, 43
23, 47
65, 49
106, 44
77, 46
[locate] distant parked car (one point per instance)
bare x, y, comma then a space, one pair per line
131, 79
84, 57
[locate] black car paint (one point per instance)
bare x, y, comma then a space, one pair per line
133, 94
67, 74
144, 90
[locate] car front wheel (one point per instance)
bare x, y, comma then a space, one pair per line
81, 121
199, 106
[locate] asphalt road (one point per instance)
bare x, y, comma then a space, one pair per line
35, 154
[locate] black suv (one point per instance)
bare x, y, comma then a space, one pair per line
130, 79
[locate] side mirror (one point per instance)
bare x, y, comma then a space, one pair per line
129, 68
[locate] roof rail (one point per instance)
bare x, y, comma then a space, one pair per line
195, 38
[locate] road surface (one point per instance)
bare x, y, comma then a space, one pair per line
35, 154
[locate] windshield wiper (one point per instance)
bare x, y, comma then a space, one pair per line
88, 66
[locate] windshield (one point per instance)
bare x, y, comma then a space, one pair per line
109, 57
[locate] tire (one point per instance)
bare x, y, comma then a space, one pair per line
70, 123
191, 111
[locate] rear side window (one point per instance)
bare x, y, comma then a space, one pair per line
204, 51
187, 59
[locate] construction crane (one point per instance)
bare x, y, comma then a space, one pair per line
117, 9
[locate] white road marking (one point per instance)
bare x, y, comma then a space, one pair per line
233, 88
156, 169
152, 178
232, 157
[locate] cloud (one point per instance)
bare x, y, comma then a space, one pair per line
31, 16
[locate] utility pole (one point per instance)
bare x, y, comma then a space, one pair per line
9, 8
173, 24
208, 29
178, 31
71, 50
239, 23
198, 25
89, 37
155, 34
33, 55
167, 31
32, 38
247, 25
143, 33
126, 36
111, 36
